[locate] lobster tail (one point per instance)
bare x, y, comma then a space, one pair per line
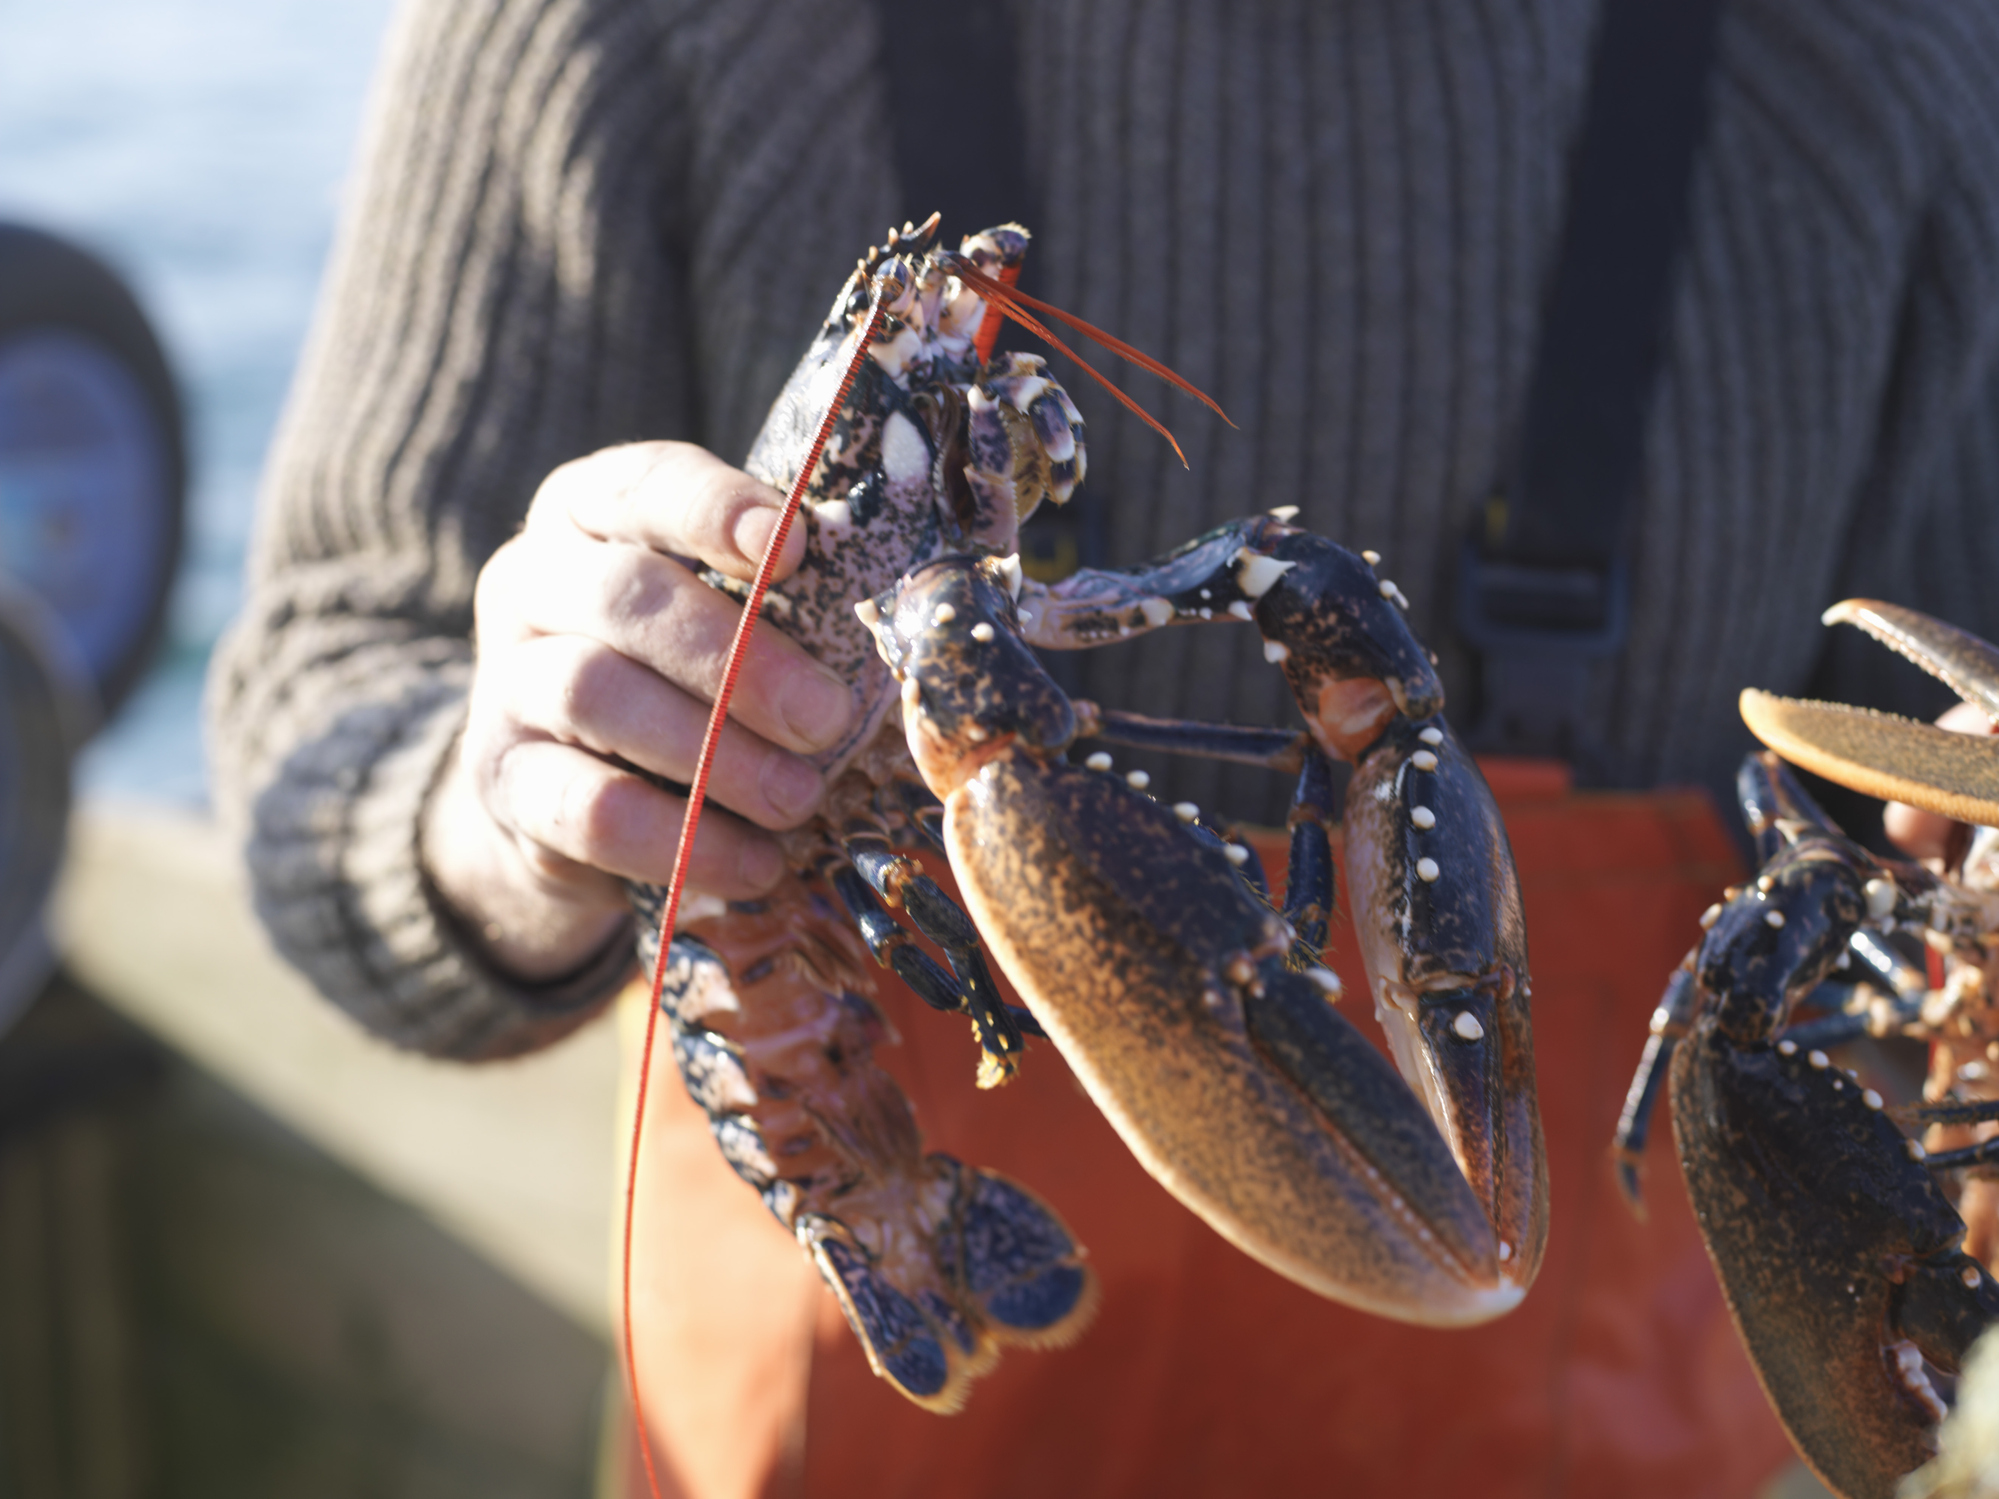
938, 1266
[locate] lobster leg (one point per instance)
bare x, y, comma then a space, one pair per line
901, 880
1277, 749
1308, 888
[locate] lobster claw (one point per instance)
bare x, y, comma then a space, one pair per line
1167, 985
1893, 758
1839, 1255
1437, 911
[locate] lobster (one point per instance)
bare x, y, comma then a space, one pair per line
1844, 1262
1142, 937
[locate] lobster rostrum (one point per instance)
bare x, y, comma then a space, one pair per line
1843, 1259
1142, 938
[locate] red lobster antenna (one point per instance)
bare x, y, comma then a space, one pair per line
697, 793
1003, 296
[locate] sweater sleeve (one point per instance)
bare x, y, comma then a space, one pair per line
505, 296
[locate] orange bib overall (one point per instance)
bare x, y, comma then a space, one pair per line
1204, 1373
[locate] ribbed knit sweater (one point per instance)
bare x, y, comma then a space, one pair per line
579, 222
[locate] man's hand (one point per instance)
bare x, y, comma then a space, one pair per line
596, 644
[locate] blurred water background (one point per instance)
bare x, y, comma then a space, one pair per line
201, 147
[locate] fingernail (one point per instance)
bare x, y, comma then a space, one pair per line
790, 785
816, 706
760, 865
753, 529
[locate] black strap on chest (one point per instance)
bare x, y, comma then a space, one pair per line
951, 72
954, 112
1544, 582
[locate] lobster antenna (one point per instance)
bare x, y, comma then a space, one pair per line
1009, 300
697, 793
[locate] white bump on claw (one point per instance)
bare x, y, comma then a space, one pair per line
1818, 1059
982, 632
1285, 513
1241, 610
1387, 588
1880, 897
1423, 817
1915, 1149
1186, 811
1467, 1026
1099, 761
1327, 980
1871, 1099
1009, 569
1787, 1048
1970, 1276
1257, 574
1773, 918
1235, 853
1432, 736
1275, 650
1371, 558
1711, 915
944, 615
1427, 870
1156, 611
1138, 780
1909, 1364
1423, 760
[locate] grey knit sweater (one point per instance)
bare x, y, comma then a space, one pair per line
585, 221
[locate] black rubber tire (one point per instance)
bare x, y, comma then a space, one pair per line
47, 284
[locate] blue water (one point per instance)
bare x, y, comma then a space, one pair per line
200, 146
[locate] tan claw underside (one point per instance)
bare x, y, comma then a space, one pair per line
1879, 754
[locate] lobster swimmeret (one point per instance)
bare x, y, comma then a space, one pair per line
1193, 1010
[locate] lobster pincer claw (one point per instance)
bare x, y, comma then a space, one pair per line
1438, 916
1955, 775
1838, 1253
1167, 984
1229, 1076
